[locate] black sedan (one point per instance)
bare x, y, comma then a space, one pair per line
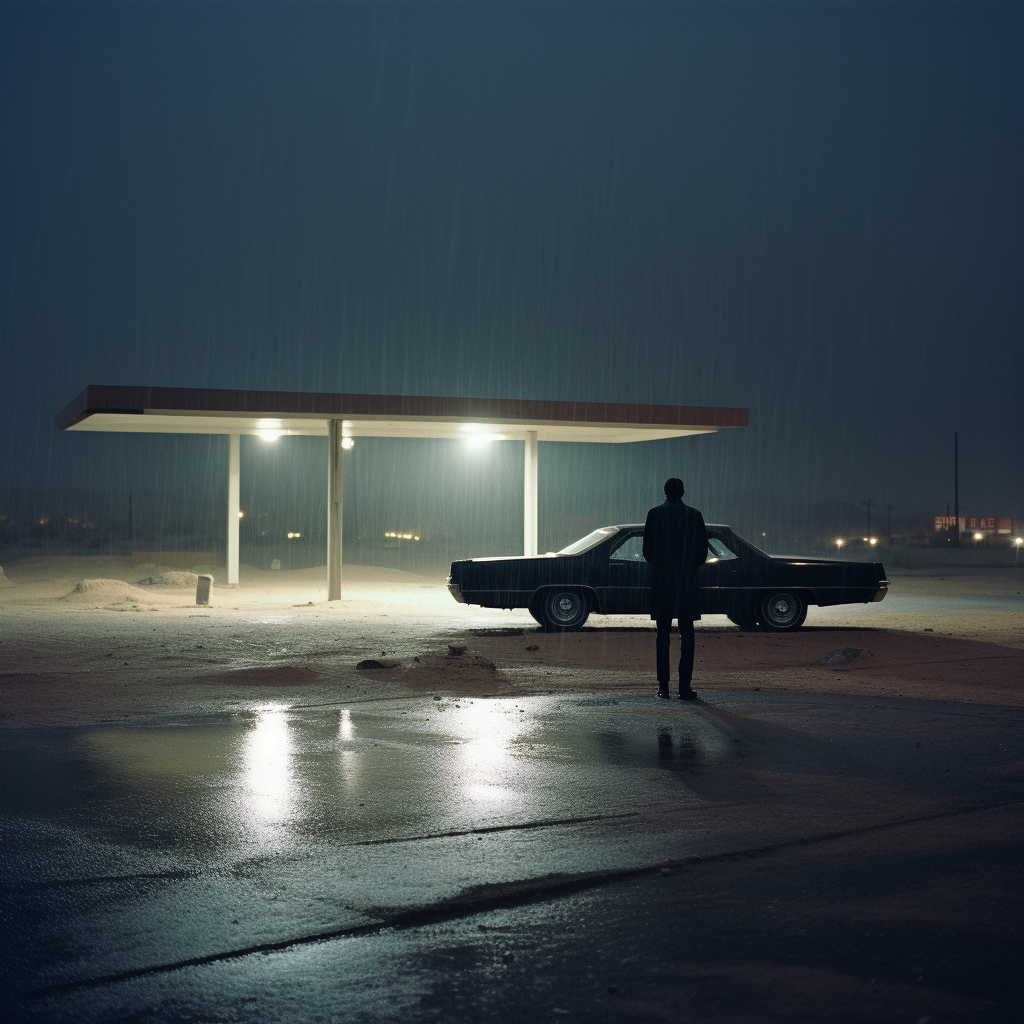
605, 572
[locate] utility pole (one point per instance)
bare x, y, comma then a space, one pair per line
889, 525
956, 486
869, 503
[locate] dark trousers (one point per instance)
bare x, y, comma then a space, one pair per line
687, 642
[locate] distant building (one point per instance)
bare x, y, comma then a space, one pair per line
986, 525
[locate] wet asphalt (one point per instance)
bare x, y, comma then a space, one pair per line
541, 858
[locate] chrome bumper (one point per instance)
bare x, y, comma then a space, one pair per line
453, 589
883, 589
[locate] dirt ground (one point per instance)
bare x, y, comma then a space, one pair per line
85, 639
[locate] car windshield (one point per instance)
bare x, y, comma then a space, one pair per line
591, 539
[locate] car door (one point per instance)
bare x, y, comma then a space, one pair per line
720, 575
626, 577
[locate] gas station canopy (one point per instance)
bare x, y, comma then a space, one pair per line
272, 414
209, 411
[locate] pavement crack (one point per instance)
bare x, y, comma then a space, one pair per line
549, 823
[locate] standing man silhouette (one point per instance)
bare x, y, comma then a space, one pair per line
676, 545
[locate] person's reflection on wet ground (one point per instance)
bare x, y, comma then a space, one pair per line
664, 744
682, 755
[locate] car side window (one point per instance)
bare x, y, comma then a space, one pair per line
717, 551
630, 550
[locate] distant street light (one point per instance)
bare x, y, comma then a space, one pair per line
977, 536
839, 543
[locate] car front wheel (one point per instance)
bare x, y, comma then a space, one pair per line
563, 611
744, 617
782, 611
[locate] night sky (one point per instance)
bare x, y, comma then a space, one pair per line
812, 210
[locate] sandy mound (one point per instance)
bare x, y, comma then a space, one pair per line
4, 581
113, 594
97, 589
174, 578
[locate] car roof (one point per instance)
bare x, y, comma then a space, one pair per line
640, 526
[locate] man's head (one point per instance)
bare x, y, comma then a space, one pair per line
674, 488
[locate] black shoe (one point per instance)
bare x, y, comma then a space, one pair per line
687, 694
663, 693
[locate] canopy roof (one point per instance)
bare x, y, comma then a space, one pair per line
218, 411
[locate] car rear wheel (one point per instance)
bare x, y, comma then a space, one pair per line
781, 611
563, 610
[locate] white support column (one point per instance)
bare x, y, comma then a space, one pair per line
233, 502
334, 495
530, 494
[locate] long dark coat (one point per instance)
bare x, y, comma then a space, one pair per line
676, 545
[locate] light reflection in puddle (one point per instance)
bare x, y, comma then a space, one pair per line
349, 761
345, 728
487, 761
268, 796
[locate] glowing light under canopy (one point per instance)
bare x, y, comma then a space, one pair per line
270, 429
479, 440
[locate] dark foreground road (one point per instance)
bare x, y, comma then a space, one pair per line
753, 858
